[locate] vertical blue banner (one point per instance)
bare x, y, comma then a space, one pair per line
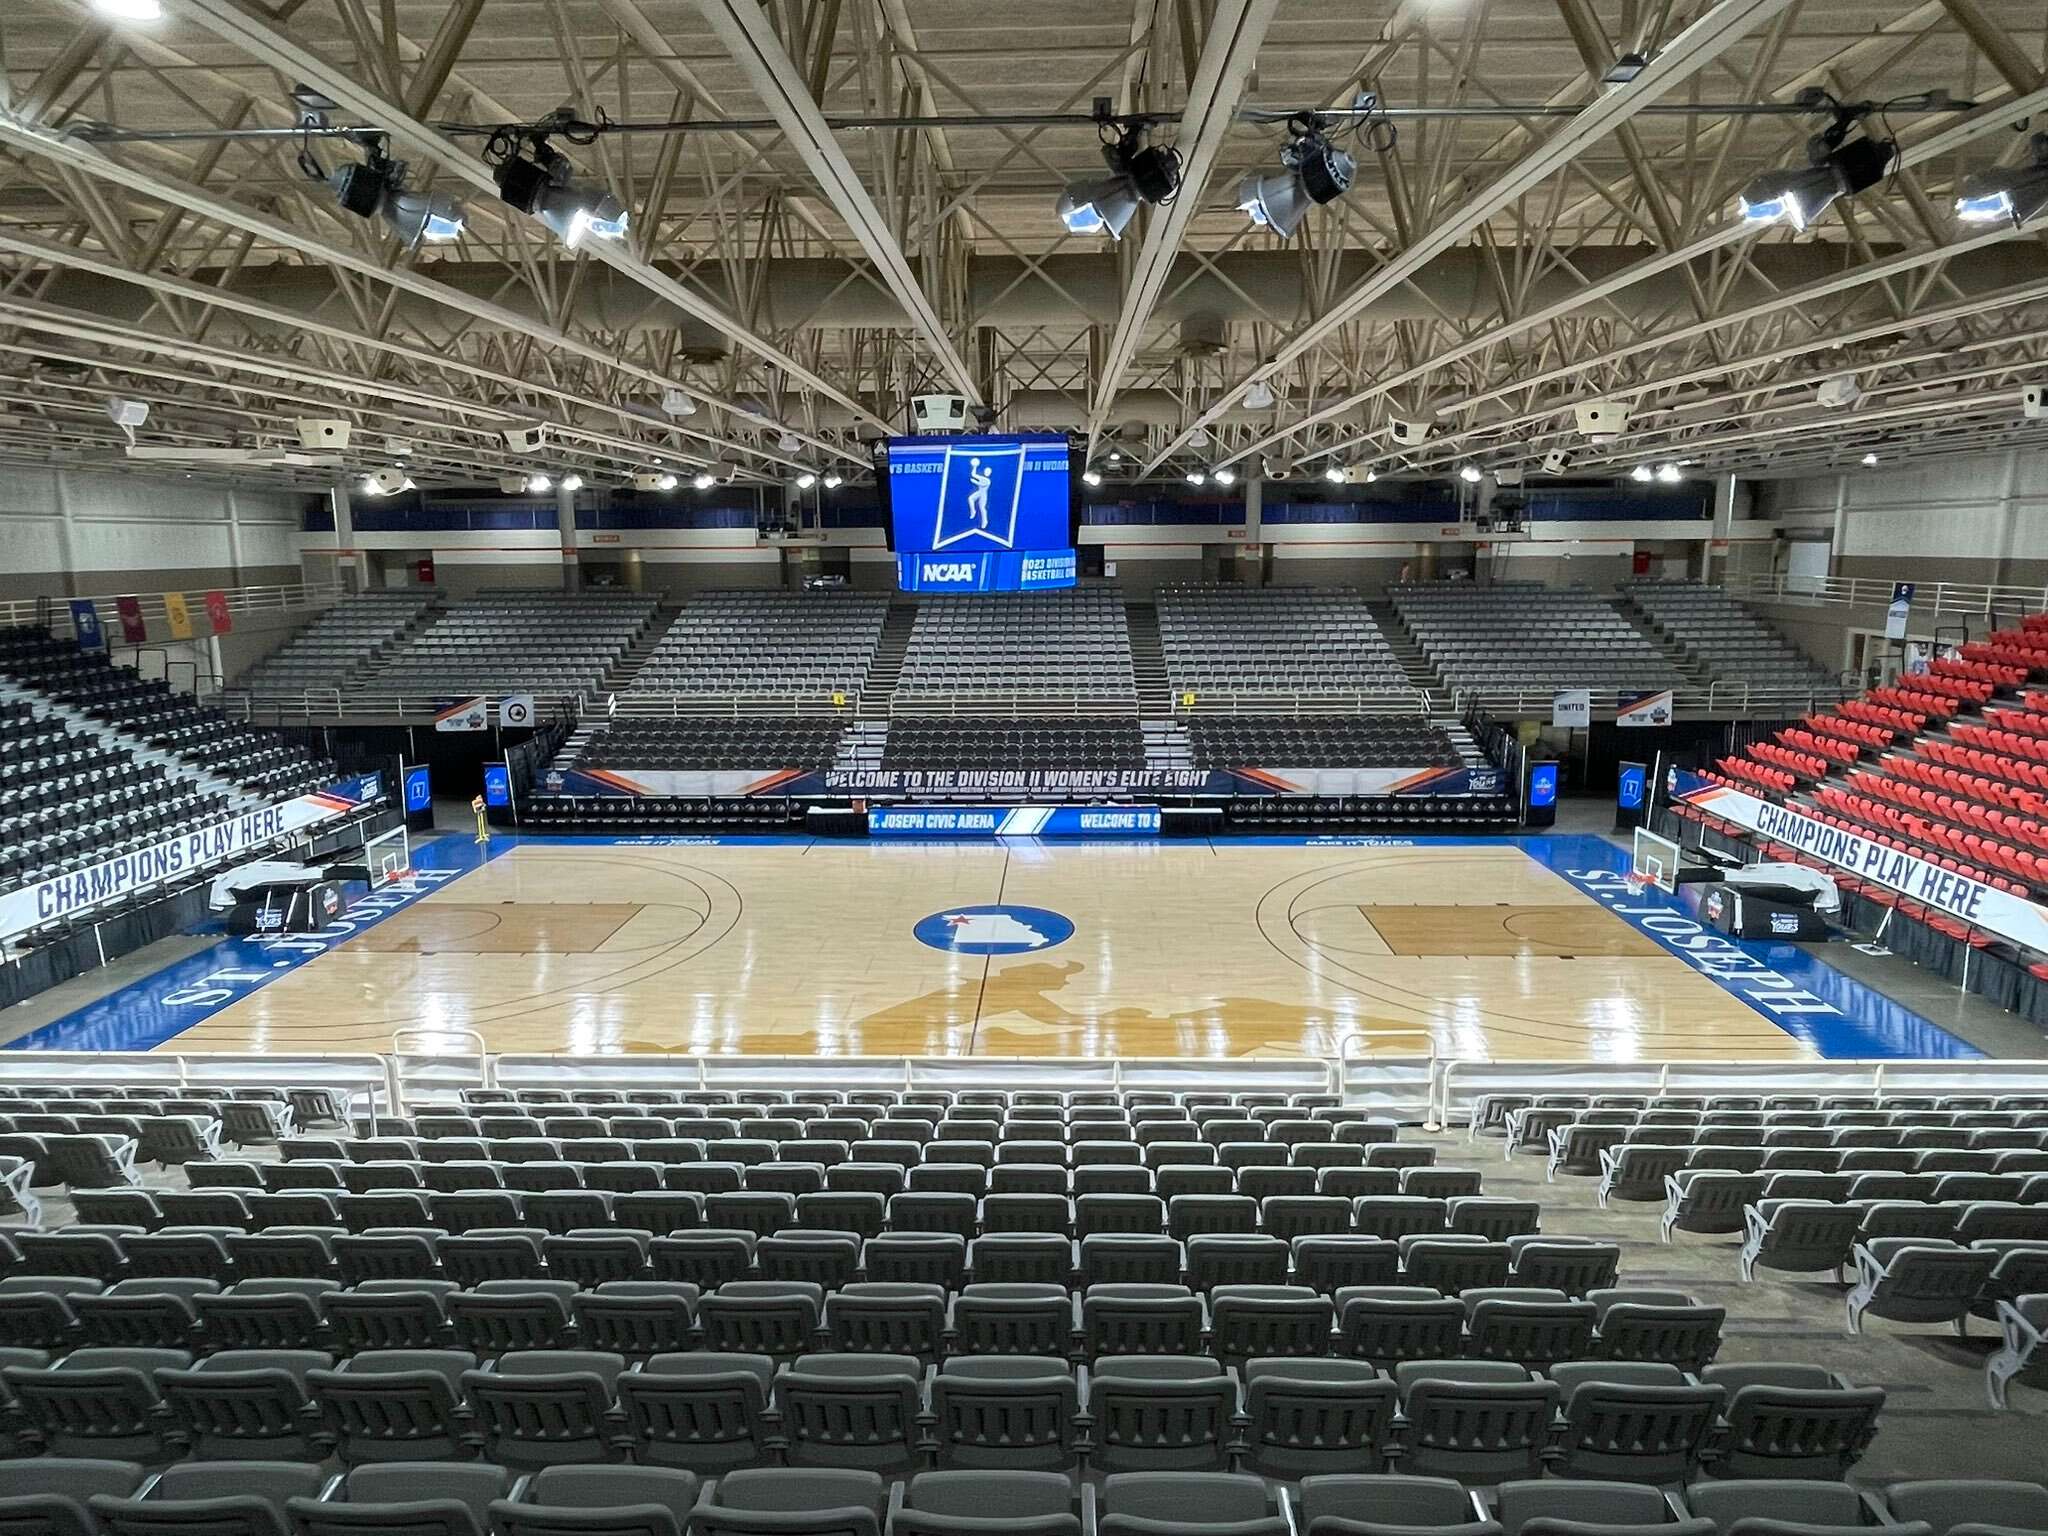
419, 789
85, 623
497, 784
1630, 788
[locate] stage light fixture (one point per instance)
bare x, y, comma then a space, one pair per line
539, 485
1469, 473
1313, 172
1371, 475
1225, 476
703, 480
1091, 477
806, 480
1336, 474
1642, 473
1114, 457
833, 480
1668, 474
375, 188
572, 483
537, 178
1837, 166
1197, 477
664, 482
1138, 173
2018, 193
387, 482
1625, 69
130, 10
1870, 460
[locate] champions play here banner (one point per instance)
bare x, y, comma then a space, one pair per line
237, 837
1982, 906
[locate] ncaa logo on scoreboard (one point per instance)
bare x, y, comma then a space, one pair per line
978, 494
993, 930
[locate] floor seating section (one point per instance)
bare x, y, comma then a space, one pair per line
1722, 637
1308, 741
942, 742
551, 644
1280, 639
68, 799
767, 643
711, 745
337, 644
1519, 636
265, 764
1950, 765
769, 1310
1053, 643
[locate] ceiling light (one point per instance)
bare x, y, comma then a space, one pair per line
806, 480
1336, 474
1837, 166
1198, 436
1469, 473
1870, 459
130, 10
1225, 476
1667, 474
789, 442
1371, 475
1314, 171
1642, 472
1196, 477
703, 480
674, 402
664, 482
833, 480
1259, 397
387, 482
539, 485
1138, 173
1625, 69
540, 180
1114, 457
572, 482
2018, 193
1091, 477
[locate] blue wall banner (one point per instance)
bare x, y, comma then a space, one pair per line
1631, 786
497, 784
419, 789
1013, 571
85, 623
1014, 821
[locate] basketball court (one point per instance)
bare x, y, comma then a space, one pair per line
1535, 948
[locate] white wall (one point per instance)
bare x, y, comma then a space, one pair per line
1982, 518
68, 531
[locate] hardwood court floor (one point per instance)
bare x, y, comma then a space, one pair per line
1178, 949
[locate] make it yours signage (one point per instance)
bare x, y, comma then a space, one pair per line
1983, 907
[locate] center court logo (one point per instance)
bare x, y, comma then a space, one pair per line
993, 930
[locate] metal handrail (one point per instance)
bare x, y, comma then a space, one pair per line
1284, 701
1726, 696
1011, 703
56, 612
1983, 600
310, 704
650, 704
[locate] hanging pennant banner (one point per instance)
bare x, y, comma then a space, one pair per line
179, 616
85, 624
133, 630
217, 612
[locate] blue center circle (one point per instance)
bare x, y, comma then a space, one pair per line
993, 930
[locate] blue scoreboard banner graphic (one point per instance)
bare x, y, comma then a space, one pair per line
1014, 571
1014, 821
974, 495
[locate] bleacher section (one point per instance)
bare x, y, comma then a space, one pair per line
942, 743
1721, 637
1074, 643
264, 764
338, 644
767, 643
1282, 639
1516, 636
752, 744
794, 1311
1229, 741
68, 799
551, 644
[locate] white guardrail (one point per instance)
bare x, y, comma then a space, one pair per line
429, 1066
1930, 598
56, 611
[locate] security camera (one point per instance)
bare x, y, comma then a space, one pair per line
317, 432
1409, 431
525, 439
2034, 402
1601, 420
1557, 461
128, 413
